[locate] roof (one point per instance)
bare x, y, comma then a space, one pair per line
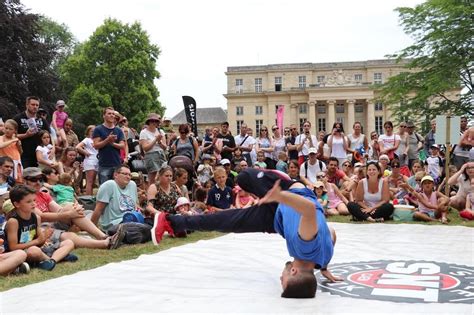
208, 115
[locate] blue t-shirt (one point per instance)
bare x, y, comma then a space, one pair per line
286, 223
218, 198
108, 155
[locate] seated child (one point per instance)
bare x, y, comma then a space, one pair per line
337, 201
204, 170
432, 205
200, 198
281, 165
321, 193
243, 198
219, 196
238, 157
260, 160
63, 191
183, 207
23, 232
468, 213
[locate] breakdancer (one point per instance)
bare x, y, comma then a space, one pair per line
286, 207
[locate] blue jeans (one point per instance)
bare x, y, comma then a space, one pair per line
106, 173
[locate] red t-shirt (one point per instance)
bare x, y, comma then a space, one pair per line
336, 177
42, 201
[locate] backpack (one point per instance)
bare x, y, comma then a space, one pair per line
306, 167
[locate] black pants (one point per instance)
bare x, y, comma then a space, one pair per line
385, 211
252, 219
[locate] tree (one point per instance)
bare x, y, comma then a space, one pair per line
25, 60
115, 66
439, 64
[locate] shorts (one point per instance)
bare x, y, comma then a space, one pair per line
53, 243
154, 161
91, 165
431, 214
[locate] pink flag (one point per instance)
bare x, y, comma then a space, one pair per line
280, 113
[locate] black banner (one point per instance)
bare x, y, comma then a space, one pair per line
190, 110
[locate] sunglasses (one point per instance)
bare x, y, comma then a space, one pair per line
34, 179
264, 130
153, 121
346, 165
273, 129
395, 166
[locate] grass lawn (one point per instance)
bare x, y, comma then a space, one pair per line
89, 258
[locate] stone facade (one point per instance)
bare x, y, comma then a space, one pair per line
322, 93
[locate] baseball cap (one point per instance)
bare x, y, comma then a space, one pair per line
224, 162
259, 182
312, 151
320, 184
427, 177
434, 146
60, 103
32, 172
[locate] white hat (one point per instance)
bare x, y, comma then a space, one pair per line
181, 201
60, 103
224, 162
312, 150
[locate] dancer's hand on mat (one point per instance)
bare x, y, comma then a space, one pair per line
272, 195
328, 275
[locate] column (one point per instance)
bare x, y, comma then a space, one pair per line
293, 115
370, 121
331, 114
350, 115
312, 116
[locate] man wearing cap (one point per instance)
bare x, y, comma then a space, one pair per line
287, 208
228, 141
63, 217
28, 127
311, 167
108, 140
230, 182
415, 143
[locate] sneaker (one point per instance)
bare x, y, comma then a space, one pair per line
116, 239
48, 264
70, 258
160, 226
24, 268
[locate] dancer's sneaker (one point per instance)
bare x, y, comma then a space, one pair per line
160, 226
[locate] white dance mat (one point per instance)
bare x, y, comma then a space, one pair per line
389, 269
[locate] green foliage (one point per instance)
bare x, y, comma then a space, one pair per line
438, 65
26, 59
115, 66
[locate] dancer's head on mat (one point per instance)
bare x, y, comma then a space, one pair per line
298, 282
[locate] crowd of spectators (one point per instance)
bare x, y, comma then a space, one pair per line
58, 192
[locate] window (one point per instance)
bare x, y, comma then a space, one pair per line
320, 78
303, 108
278, 84
358, 77
258, 85
258, 125
378, 106
239, 124
240, 110
378, 78
258, 110
359, 108
302, 121
239, 85
321, 124
340, 108
379, 124
340, 120
302, 81
321, 108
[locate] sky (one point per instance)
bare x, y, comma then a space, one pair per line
200, 39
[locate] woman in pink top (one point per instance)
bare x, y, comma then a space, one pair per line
372, 197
